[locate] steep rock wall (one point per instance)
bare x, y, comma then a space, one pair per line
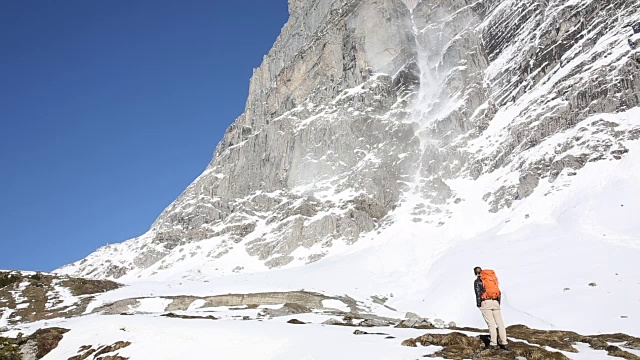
364, 104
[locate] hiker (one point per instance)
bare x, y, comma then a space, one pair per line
488, 301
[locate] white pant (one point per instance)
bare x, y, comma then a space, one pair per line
493, 317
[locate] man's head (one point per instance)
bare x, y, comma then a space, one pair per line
477, 270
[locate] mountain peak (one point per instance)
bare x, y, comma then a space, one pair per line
365, 117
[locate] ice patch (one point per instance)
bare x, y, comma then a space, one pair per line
196, 304
153, 305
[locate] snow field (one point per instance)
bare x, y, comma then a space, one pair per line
584, 234
154, 337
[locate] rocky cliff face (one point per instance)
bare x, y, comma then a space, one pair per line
364, 106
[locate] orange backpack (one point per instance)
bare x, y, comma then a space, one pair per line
491, 286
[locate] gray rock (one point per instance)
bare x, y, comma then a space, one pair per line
527, 185
414, 323
380, 300
439, 323
118, 307
295, 302
333, 321
29, 350
375, 323
412, 316
285, 310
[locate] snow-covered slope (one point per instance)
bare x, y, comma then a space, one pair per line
152, 337
387, 148
546, 250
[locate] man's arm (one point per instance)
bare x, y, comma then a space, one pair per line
479, 289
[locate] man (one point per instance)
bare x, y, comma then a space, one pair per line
489, 304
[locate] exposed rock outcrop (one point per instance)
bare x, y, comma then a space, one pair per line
538, 344
293, 302
31, 296
35, 346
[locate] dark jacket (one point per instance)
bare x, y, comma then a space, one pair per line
478, 286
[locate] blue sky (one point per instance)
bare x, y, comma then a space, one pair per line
109, 109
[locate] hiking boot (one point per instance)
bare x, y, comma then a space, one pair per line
505, 347
491, 347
